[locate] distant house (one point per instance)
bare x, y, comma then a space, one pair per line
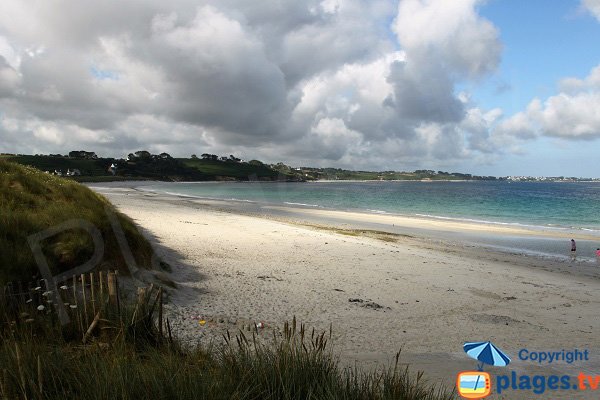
112, 169
73, 172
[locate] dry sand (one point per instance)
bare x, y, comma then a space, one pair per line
380, 293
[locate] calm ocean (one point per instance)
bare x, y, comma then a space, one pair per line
570, 206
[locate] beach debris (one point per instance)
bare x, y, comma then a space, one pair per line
41, 308
64, 287
374, 306
268, 277
202, 322
260, 325
510, 298
38, 288
368, 304
24, 315
29, 320
73, 306
29, 301
338, 290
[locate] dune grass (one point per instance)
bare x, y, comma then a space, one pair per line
38, 362
32, 201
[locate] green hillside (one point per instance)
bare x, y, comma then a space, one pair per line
32, 201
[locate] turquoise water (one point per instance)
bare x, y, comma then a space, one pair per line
544, 204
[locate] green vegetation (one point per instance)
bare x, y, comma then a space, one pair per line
87, 167
32, 201
234, 170
418, 175
128, 359
210, 167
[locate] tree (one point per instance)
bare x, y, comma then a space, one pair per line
195, 157
143, 154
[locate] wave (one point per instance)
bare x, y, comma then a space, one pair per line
516, 224
301, 204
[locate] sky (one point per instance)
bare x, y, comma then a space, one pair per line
497, 87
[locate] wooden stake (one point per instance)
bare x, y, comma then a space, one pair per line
84, 299
75, 290
112, 288
91, 328
117, 292
169, 330
101, 278
160, 312
93, 291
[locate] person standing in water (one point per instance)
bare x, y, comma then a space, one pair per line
573, 249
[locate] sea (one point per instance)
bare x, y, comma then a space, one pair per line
564, 207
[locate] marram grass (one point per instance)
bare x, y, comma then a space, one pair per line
32, 201
294, 365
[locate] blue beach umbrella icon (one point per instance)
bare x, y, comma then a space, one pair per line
486, 353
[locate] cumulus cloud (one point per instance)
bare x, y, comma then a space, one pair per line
311, 82
571, 114
593, 6
444, 41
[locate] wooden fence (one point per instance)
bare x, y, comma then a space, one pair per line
87, 298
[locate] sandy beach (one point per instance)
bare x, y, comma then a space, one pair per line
380, 292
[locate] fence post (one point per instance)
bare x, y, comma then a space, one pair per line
113, 290
101, 278
118, 292
75, 291
93, 291
160, 312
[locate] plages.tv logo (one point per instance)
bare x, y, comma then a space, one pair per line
478, 384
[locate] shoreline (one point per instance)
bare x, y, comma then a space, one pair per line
380, 291
507, 237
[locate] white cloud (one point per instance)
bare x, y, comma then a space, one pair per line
593, 6
451, 33
570, 114
316, 81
